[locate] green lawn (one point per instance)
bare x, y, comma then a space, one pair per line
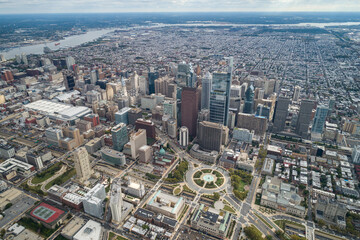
228, 209
61, 179
177, 191
206, 170
197, 174
217, 174
113, 235
36, 189
199, 182
210, 185
48, 173
219, 181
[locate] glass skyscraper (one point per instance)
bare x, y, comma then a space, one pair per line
319, 119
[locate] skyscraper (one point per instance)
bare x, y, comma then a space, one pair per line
184, 136
116, 201
137, 140
152, 76
281, 112
296, 94
69, 80
82, 164
212, 135
119, 136
205, 91
304, 118
220, 95
170, 108
189, 109
249, 100
262, 111
185, 75
319, 119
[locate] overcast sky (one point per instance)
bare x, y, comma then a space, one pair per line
71, 6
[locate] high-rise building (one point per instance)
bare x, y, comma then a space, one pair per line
137, 140
134, 114
7, 76
183, 136
119, 136
189, 109
205, 91
122, 116
281, 112
185, 75
34, 159
93, 77
204, 115
145, 154
319, 119
170, 108
235, 98
212, 135
82, 164
304, 118
69, 80
70, 61
24, 58
251, 122
148, 125
356, 154
249, 100
296, 94
262, 111
152, 76
220, 95
116, 201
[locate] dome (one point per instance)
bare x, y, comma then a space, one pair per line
162, 151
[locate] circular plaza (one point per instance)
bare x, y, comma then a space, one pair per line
207, 179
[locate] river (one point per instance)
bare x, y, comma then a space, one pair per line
71, 41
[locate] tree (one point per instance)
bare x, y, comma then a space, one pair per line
216, 196
269, 237
253, 233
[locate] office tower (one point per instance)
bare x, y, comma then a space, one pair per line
116, 201
331, 105
161, 85
304, 118
7, 76
34, 159
123, 101
183, 136
319, 119
70, 61
170, 108
269, 87
205, 91
296, 94
185, 75
212, 135
251, 122
232, 119
356, 155
220, 95
152, 76
262, 111
93, 201
281, 112
82, 164
69, 80
189, 109
249, 100
2, 58
134, 82
119, 136
171, 91
134, 114
135, 188
235, 98
93, 77
72, 138
122, 116
243, 88
171, 127
145, 154
137, 140
24, 58
148, 125
93, 118
18, 59
204, 115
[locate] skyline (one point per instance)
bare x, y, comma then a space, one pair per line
113, 6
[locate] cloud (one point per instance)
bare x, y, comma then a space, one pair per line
38, 6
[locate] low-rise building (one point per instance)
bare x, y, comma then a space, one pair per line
90, 231
211, 221
331, 212
166, 204
281, 196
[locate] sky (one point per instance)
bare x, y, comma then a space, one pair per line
88, 6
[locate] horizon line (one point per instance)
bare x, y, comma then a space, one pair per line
223, 11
